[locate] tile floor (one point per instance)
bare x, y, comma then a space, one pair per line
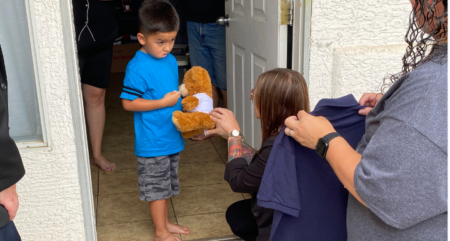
204, 195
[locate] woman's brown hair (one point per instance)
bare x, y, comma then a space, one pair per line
278, 94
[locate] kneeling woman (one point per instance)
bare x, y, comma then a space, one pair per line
278, 94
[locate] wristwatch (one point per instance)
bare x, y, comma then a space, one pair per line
323, 143
234, 133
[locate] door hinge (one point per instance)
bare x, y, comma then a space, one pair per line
287, 10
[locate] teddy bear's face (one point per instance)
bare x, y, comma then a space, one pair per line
195, 81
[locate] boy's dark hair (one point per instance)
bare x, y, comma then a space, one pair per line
157, 16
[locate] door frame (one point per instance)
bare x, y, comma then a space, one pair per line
300, 62
301, 35
78, 120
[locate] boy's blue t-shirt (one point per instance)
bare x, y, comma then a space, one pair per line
150, 78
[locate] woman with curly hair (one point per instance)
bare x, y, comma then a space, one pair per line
397, 177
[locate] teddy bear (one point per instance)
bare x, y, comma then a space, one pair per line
196, 91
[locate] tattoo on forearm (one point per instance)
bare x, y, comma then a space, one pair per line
247, 152
234, 148
237, 148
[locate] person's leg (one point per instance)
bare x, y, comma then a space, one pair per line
94, 107
95, 75
199, 54
155, 187
158, 209
241, 220
175, 187
225, 99
9, 233
214, 40
174, 228
215, 96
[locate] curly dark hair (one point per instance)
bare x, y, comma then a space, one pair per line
421, 41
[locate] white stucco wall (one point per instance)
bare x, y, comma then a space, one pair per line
354, 44
49, 194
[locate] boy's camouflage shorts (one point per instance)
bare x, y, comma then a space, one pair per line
158, 177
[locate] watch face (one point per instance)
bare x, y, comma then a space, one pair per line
235, 133
321, 148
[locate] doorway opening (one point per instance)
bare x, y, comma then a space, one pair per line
204, 195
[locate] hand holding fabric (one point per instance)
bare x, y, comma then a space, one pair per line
370, 100
307, 129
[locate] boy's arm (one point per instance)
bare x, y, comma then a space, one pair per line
139, 104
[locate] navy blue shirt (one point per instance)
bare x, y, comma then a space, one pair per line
310, 202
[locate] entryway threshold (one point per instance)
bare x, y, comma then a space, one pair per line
227, 238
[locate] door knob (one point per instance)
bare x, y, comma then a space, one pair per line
223, 20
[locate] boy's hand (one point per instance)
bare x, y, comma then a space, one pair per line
171, 98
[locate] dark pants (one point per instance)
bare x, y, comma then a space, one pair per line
241, 220
9, 233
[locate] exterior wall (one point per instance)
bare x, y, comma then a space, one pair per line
49, 194
354, 44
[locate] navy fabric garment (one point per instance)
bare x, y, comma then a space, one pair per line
9, 233
310, 202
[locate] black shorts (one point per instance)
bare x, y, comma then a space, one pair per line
95, 69
95, 42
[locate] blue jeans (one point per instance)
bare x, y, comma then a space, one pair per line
207, 49
9, 233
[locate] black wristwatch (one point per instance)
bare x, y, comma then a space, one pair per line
322, 144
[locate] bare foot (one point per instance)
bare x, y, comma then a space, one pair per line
173, 228
166, 237
199, 137
103, 164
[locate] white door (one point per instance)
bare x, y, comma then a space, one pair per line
255, 43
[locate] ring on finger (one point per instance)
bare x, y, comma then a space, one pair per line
289, 133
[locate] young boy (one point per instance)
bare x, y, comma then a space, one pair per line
150, 90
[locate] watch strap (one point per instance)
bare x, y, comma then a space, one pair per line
327, 138
231, 134
242, 137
